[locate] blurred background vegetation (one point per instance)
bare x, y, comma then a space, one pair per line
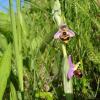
30, 55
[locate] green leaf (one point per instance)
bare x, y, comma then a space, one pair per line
16, 46
5, 68
3, 42
46, 95
13, 95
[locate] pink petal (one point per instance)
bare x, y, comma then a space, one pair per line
71, 68
56, 36
70, 62
70, 73
70, 33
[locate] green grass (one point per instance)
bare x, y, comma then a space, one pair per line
36, 61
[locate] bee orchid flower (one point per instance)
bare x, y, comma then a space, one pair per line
64, 33
73, 69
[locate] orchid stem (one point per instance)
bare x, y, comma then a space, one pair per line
68, 87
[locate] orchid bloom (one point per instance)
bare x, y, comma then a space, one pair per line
64, 33
72, 68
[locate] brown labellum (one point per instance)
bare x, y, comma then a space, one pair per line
78, 73
64, 36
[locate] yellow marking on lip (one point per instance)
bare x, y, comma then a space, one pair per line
66, 41
76, 65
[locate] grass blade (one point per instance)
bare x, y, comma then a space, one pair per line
16, 46
13, 95
5, 68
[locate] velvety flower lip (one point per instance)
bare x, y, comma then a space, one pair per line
71, 68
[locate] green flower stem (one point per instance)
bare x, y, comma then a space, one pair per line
16, 46
68, 87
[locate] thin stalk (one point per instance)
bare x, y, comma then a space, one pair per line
34, 79
18, 24
68, 87
19, 42
16, 46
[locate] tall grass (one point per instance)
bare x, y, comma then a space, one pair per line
4, 74
17, 45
